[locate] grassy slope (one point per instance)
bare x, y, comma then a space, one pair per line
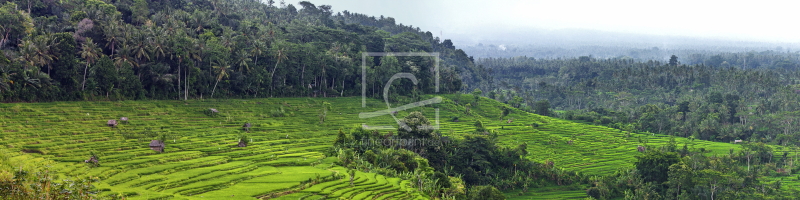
202, 162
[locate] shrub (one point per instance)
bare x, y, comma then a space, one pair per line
211, 112
278, 112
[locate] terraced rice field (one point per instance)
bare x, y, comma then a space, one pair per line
202, 161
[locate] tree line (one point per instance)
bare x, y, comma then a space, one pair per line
140, 49
703, 101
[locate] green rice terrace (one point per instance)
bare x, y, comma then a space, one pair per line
285, 156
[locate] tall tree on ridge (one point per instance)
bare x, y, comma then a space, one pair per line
222, 67
90, 53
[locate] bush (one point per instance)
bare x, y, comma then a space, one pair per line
485, 193
593, 192
278, 112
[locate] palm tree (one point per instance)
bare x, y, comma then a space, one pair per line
242, 59
44, 50
29, 78
158, 45
113, 37
222, 72
27, 54
196, 52
90, 53
257, 49
124, 57
280, 55
139, 46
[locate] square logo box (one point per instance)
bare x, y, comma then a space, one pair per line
393, 111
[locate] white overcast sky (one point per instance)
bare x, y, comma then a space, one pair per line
768, 21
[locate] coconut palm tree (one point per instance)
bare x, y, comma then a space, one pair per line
257, 49
280, 54
27, 54
243, 57
113, 35
158, 44
124, 57
139, 46
196, 53
90, 53
44, 50
221, 67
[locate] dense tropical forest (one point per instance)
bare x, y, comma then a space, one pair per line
709, 102
244, 99
93, 50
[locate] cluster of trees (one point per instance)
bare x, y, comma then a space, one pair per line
701, 101
688, 173
93, 49
476, 161
32, 179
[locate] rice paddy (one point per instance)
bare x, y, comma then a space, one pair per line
285, 155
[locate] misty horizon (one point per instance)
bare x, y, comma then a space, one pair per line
611, 23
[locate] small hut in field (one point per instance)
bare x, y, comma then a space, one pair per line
124, 120
242, 143
641, 149
157, 145
247, 126
112, 123
92, 160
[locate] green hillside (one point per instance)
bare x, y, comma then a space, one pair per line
286, 156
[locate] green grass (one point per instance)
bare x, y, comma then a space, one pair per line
201, 160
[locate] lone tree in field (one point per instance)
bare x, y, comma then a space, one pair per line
505, 111
324, 111
415, 125
479, 126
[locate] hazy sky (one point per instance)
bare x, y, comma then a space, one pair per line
769, 21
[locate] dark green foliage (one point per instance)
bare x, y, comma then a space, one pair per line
16, 25
479, 126
654, 165
593, 192
542, 107
169, 50
66, 68
441, 179
485, 193
673, 60
707, 102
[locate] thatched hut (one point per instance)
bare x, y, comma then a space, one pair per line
641, 149
157, 145
92, 160
124, 120
247, 126
112, 123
